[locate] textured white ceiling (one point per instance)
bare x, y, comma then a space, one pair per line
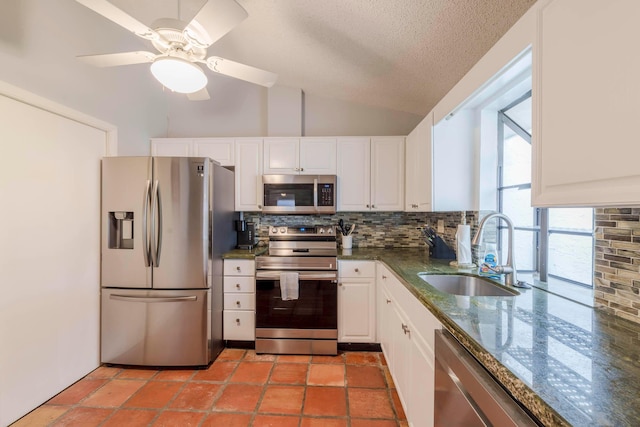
403, 55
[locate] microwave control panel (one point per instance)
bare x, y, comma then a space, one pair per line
326, 194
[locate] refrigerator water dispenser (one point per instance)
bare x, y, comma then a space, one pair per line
120, 230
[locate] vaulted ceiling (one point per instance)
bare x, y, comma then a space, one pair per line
402, 55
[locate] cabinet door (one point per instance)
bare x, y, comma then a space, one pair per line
421, 383
281, 156
248, 174
354, 174
219, 149
356, 310
387, 173
239, 325
586, 103
418, 167
318, 156
171, 147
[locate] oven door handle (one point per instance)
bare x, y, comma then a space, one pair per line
314, 275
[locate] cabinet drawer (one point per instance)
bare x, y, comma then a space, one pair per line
355, 269
235, 301
239, 267
239, 284
239, 325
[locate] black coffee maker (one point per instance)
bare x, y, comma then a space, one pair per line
246, 234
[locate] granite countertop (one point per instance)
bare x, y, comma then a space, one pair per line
568, 363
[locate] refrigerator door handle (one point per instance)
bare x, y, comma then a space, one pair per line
155, 225
152, 299
159, 231
145, 218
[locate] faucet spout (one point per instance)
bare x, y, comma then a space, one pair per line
509, 268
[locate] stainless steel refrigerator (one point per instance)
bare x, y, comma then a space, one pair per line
166, 221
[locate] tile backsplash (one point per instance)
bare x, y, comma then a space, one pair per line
375, 229
617, 261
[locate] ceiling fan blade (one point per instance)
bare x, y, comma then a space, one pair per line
115, 59
111, 12
214, 20
241, 71
201, 95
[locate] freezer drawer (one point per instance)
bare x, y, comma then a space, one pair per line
155, 328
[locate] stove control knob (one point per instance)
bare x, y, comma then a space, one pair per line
283, 230
274, 230
330, 230
321, 230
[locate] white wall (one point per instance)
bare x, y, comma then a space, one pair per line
332, 117
49, 253
39, 42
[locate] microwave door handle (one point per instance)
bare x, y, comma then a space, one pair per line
145, 225
315, 194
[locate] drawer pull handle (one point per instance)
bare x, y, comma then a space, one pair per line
238, 303
238, 268
237, 285
384, 277
388, 301
238, 321
405, 329
357, 270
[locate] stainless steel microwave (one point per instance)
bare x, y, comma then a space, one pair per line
299, 194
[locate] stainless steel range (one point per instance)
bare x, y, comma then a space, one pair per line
296, 292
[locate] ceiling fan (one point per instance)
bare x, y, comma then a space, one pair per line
182, 47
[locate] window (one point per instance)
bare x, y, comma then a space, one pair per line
555, 244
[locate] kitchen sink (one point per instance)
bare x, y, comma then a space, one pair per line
457, 284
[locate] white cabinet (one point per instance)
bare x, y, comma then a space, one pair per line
586, 100
171, 147
418, 167
354, 174
305, 156
387, 173
356, 301
239, 315
219, 149
406, 333
371, 174
248, 174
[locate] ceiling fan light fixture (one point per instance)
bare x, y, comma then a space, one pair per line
178, 74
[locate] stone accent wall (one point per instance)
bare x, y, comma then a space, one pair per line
617, 261
375, 229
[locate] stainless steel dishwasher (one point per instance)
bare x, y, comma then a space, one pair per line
466, 394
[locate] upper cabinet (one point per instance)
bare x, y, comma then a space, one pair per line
387, 173
304, 156
248, 174
418, 167
586, 98
171, 147
371, 173
219, 149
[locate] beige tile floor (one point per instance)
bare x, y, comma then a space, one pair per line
241, 388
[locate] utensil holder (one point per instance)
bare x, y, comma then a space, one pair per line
347, 242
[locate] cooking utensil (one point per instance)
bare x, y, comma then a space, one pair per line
353, 227
341, 225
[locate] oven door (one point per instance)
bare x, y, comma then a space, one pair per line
313, 315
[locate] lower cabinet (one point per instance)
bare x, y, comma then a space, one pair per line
406, 334
356, 302
239, 315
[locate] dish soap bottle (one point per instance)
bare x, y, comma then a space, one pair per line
490, 258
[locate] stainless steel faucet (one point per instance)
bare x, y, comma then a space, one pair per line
509, 269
